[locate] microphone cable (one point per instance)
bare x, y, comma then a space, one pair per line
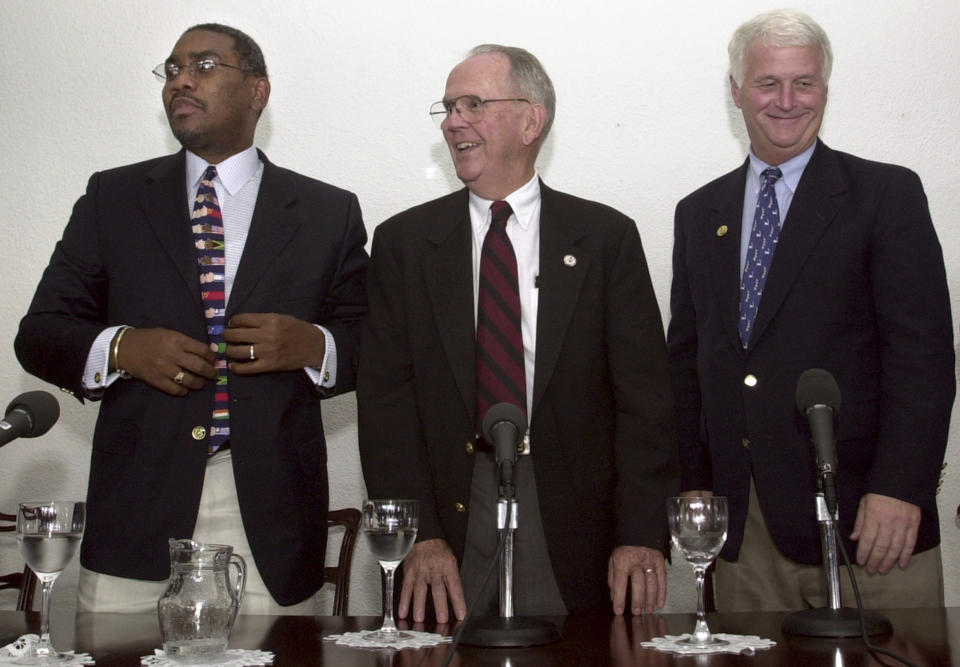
501, 546
873, 648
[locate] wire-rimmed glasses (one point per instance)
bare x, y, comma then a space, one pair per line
169, 71
470, 107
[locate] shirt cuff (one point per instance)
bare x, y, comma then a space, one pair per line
325, 375
96, 374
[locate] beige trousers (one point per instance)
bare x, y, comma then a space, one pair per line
763, 579
218, 522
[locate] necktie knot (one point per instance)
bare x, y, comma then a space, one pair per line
210, 173
770, 176
500, 212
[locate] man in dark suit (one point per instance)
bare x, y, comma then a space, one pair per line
251, 329
592, 364
857, 287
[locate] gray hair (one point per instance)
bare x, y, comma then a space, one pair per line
781, 27
529, 76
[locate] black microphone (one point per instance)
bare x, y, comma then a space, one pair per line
504, 426
818, 398
30, 414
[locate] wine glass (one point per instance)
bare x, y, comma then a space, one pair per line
48, 534
390, 528
698, 528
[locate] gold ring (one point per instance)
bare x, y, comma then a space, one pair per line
252, 355
649, 570
178, 378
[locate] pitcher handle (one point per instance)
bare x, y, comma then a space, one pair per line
241, 583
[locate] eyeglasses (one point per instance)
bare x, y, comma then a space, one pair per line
470, 107
205, 67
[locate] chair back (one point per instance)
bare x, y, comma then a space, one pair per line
26, 581
339, 575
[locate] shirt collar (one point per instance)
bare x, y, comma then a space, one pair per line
234, 172
792, 169
523, 202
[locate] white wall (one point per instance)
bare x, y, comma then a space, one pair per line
644, 117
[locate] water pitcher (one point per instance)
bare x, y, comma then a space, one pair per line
199, 606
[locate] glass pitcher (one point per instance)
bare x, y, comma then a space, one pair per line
199, 606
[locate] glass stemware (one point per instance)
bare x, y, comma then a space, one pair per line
390, 529
48, 533
698, 529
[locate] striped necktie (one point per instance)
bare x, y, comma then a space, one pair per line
760, 250
500, 366
207, 225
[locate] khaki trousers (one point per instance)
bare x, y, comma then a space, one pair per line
218, 522
763, 579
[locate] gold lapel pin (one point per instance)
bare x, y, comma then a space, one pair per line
722, 230
570, 260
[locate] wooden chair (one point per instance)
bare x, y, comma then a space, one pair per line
26, 581
349, 519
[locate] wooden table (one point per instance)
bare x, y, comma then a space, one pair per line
923, 636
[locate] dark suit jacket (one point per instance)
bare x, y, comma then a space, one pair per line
127, 257
857, 288
604, 449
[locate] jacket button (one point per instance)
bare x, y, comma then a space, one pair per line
745, 442
750, 380
469, 448
199, 432
461, 507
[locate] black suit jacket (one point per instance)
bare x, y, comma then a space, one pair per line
604, 449
127, 257
857, 288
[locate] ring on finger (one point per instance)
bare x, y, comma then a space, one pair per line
253, 357
178, 378
649, 570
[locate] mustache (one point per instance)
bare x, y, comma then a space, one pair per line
186, 96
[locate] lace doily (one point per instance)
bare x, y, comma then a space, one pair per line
232, 657
744, 644
26, 643
417, 640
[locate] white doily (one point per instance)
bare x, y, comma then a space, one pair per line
232, 657
26, 643
745, 644
417, 640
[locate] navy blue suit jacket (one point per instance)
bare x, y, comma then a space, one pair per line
857, 288
127, 257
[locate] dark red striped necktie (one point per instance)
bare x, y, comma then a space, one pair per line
500, 370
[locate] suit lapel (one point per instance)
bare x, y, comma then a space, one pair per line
274, 222
814, 206
563, 267
722, 234
448, 272
163, 199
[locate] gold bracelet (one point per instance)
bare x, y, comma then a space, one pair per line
116, 352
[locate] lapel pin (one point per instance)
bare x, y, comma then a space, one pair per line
570, 260
722, 230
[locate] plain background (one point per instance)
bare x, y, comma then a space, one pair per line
644, 117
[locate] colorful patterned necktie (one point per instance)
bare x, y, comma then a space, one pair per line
208, 238
500, 370
762, 246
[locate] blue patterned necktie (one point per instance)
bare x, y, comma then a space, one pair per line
500, 365
207, 228
762, 246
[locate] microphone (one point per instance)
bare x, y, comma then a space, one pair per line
818, 399
503, 427
30, 414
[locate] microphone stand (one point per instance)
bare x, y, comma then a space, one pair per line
835, 620
507, 630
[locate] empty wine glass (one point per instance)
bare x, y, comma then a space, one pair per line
698, 528
390, 528
48, 533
